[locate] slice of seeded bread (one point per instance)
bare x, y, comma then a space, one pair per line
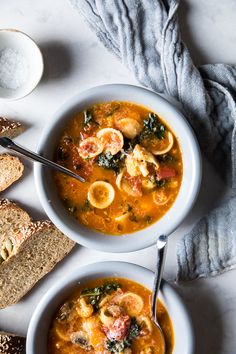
41, 246
11, 169
12, 218
10, 129
11, 343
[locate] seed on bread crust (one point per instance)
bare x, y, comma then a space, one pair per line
35, 226
10, 128
28, 230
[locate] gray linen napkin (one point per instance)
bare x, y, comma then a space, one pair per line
144, 35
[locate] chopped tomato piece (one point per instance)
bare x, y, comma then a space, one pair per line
165, 172
84, 168
76, 158
136, 184
119, 328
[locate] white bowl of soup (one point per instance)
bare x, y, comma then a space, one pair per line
140, 160
105, 308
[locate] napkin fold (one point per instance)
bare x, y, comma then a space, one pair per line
145, 36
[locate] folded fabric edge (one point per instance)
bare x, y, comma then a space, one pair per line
182, 278
183, 270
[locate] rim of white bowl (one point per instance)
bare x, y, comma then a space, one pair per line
58, 293
13, 30
189, 187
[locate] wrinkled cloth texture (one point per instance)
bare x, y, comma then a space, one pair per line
145, 36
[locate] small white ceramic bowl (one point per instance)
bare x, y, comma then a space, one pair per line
42, 316
21, 43
54, 207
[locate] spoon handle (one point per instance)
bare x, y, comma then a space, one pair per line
9, 144
161, 255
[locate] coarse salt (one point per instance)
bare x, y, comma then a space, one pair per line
14, 69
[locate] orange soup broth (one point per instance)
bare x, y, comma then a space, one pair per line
74, 193
154, 339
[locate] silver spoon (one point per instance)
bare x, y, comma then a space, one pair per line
161, 254
9, 144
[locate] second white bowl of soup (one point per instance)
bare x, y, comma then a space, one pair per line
140, 160
105, 308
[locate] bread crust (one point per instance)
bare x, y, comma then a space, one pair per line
10, 128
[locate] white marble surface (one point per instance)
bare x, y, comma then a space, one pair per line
74, 61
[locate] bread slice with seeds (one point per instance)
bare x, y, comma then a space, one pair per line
11, 343
9, 128
11, 170
37, 248
12, 218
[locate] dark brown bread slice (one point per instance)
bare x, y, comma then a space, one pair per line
12, 218
9, 128
41, 246
11, 169
11, 343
